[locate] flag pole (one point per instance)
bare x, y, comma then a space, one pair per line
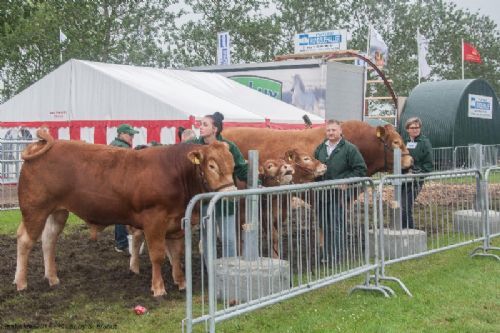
365, 107
418, 57
462, 58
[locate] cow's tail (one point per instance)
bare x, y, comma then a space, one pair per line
45, 142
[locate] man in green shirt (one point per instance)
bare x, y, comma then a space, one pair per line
343, 160
125, 136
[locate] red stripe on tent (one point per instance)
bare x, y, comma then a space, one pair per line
74, 132
154, 133
54, 131
100, 134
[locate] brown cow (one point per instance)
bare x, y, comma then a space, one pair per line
375, 143
276, 207
147, 189
275, 172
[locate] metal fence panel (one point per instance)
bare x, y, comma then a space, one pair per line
10, 168
492, 177
310, 236
446, 213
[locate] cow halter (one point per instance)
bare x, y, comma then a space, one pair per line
207, 187
274, 179
387, 148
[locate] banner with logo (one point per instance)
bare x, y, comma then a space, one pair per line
480, 106
223, 48
331, 40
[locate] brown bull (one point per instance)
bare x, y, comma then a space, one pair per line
147, 189
376, 144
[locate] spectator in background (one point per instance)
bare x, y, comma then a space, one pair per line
124, 138
187, 135
421, 150
343, 160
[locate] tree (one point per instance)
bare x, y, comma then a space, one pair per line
119, 31
254, 36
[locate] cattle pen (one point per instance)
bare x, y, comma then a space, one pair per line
455, 208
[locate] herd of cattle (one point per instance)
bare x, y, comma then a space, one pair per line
149, 189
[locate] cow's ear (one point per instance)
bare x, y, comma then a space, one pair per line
290, 156
195, 157
380, 132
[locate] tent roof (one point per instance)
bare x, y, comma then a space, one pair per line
84, 90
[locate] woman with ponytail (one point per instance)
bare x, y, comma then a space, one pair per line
210, 131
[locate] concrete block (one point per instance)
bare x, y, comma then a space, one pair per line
400, 243
469, 222
241, 281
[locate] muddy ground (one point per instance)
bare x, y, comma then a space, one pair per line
87, 269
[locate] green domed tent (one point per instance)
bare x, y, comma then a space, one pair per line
455, 113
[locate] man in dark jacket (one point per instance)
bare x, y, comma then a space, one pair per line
343, 160
125, 136
421, 150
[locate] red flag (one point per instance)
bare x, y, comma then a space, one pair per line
471, 54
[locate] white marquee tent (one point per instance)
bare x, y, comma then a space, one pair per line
87, 100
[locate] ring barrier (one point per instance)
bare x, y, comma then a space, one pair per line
491, 212
309, 236
10, 168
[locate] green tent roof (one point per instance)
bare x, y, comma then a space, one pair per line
443, 107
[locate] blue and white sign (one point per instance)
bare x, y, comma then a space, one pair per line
480, 106
223, 48
332, 40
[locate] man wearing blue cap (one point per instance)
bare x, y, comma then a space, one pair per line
124, 140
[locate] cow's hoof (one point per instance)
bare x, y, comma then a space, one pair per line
134, 270
182, 286
159, 293
20, 286
53, 281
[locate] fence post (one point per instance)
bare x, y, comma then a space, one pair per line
250, 232
476, 159
485, 212
455, 158
398, 223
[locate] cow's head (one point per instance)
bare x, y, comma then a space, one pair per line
275, 172
216, 165
307, 168
392, 140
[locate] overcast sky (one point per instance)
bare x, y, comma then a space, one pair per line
490, 8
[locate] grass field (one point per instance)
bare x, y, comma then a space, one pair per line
452, 293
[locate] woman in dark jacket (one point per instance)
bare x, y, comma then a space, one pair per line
210, 131
421, 150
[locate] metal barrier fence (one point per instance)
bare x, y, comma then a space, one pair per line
10, 167
490, 206
466, 157
296, 250
446, 213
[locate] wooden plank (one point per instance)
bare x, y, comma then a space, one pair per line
378, 81
312, 55
378, 97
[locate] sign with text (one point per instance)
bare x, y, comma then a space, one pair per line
332, 40
480, 106
223, 48
264, 85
